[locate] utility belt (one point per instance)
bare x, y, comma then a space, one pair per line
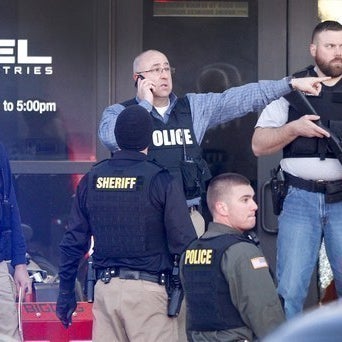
170, 281
331, 189
106, 274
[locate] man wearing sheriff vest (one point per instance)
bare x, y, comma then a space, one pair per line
137, 213
229, 292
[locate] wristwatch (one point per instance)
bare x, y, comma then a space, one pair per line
290, 78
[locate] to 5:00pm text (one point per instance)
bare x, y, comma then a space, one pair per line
29, 106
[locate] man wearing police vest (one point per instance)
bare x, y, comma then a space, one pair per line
180, 123
137, 214
229, 292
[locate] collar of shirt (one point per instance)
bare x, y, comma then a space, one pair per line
216, 229
153, 111
129, 155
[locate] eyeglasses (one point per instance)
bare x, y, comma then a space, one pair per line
158, 71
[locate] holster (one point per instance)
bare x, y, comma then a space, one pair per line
175, 302
91, 280
333, 192
191, 179
278, 190
195, 172
175, 293
174, 290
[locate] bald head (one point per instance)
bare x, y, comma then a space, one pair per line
147, 60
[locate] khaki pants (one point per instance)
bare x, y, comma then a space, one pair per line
9, 326
132, 311
198, 221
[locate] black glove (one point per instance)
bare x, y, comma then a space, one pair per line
66, 305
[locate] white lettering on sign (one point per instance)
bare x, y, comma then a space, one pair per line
8, 54
15, 59
171, 137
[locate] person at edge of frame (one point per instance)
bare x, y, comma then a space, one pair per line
229, 291
13, 249
137, 214
179, 123
312, 207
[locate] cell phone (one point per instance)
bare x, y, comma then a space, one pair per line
136, 81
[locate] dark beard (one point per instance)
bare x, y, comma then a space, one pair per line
331, 68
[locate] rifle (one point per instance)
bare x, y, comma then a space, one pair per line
298, 100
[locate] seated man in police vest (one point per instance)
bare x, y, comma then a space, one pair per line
137, 213
229, 292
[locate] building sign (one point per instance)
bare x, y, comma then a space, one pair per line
14, 58
200, 8
47, 89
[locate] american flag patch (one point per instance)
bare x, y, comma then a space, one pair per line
259, 263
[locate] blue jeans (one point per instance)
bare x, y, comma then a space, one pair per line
305, 219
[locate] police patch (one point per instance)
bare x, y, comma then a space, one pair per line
117, 183
198, 257
259, 263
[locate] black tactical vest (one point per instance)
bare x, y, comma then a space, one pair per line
329, 106
174, 146
123, 220
207, 292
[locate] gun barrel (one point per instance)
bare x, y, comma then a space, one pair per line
307, 102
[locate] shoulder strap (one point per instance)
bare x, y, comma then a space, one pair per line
306, 72
129, 102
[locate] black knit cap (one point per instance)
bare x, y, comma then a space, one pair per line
133, 128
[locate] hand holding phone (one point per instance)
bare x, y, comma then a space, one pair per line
144, 92
136, 81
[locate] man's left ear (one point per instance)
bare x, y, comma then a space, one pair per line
313, 49
221, 208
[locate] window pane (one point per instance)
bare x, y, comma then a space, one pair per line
47, 68
45, 202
